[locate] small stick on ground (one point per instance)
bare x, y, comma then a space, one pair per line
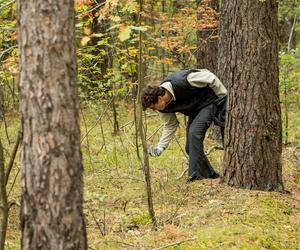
176, 243
120, 242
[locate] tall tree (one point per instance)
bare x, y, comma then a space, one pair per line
51, 161
141, 129
3, 201
207, 34
248, 63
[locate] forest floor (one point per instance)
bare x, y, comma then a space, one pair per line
204, 214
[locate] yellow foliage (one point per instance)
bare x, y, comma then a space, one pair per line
87, 31
124, 32
11, 64
85, 40
133, 51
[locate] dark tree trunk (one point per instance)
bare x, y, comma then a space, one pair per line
51, 161
207, 51
207, 34
248, 63
100, 26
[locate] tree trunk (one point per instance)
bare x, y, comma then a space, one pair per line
248, 63
141, 129
51, 161
100, 26
3, 201
207, 34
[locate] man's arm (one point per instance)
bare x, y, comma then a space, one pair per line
204, 78
170, 125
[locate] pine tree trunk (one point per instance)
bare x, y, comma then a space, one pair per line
51, 161
248, 63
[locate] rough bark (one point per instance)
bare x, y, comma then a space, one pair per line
248, 63
207, 34
51, 161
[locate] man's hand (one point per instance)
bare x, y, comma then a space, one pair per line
155, 151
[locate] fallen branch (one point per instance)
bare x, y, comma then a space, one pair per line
183, 151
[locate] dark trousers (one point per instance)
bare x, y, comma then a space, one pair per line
199, 166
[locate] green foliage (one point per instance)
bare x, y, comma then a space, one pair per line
289, 9
8, 57
168, 42
290, 74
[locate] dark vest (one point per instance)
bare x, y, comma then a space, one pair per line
189, 100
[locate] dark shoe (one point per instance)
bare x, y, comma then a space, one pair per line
214, 176
194, 178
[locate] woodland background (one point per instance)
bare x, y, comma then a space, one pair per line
203, 215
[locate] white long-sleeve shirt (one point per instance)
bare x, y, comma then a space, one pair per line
199, 79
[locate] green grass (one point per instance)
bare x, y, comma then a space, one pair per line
202, 215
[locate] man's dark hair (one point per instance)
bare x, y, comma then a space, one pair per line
150, 95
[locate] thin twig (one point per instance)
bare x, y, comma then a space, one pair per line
96, 122
5, 128
5, 5
12, 158
218, 246
120, 242
132, 121
182, 174
149, 137
87, 139
213, 148
13, 184
97, 6
182, 150
97, 223
176, 243
7, 50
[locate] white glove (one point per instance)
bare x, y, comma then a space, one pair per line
155, 151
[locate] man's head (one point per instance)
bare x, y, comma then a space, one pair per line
155, 97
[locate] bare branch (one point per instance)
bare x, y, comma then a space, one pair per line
12, 158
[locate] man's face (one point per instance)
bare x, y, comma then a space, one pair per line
162, 102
